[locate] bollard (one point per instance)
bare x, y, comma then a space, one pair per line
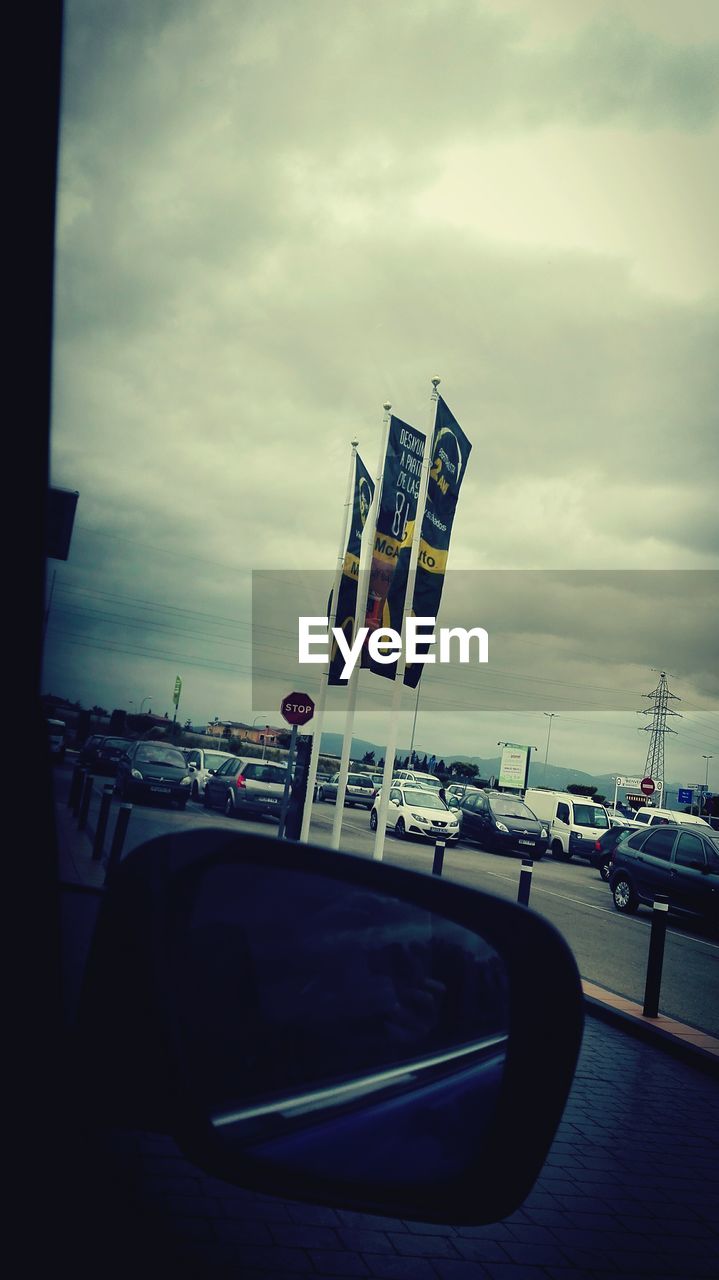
73, 798
123, 817
438, 858
656, 956
525, 881
85, 802
105, 803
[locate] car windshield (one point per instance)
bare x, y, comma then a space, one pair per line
115, 744
509, 808
359, 780
590, 815
423, 799
151, 754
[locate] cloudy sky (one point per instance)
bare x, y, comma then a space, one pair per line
274, 216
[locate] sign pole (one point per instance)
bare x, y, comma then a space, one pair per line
288, 783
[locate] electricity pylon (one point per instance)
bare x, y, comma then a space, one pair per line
654, 768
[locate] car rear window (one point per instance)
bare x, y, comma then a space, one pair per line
264, 772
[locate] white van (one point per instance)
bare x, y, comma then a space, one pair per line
649, 816
574, 823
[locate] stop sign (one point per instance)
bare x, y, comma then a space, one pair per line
297, 708
647, 785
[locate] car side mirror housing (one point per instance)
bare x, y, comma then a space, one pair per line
330, 1028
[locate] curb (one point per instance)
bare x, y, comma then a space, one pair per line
645, 1029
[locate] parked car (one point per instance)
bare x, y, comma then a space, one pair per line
244, 786
672, 859
153, 771
601, 856
360, 790
573, 822
419, 779
101, 753
502, 823
319, 779
202, 763
417, 811
652, 817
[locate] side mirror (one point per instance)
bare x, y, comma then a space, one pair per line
328, 1027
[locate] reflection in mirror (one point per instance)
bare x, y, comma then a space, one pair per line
299, 992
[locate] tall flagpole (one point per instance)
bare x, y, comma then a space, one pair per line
408, 601
322, 696
366, 549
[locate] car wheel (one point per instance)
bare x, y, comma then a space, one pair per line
229, 809
558, 852
373, 821
625, 899
604, 869
400, 830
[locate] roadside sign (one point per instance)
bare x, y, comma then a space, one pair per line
178, 690
297, 708
685, 795
647, 786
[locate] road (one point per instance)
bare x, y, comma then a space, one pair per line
610, 949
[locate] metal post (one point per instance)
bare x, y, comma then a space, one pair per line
123, 817
288, 782
105, 803
73, 799
438, 858
656, 956
525, 881
85, 802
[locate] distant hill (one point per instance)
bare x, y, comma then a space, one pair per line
557, 776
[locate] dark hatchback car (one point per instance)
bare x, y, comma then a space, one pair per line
501, 823
246, 786
600, 857
100, 754
680, 862
153, 771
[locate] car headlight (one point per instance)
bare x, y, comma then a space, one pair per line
185, 782
419, 817
501, 827
542, 834
136, 774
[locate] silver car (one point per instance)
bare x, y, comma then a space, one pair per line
360, 790
244, 785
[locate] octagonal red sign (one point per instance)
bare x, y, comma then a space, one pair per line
297, 708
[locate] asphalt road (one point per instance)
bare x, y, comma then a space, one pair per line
610, 949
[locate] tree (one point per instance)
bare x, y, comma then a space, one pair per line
579, 789
368, 757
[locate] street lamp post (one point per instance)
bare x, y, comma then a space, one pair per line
706, 779
550, 715
148, 698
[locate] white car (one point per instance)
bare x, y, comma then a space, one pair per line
420, 779
417, 812
201, 764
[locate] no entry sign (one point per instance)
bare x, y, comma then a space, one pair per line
647, 785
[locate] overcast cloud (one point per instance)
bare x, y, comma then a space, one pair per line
275, 216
